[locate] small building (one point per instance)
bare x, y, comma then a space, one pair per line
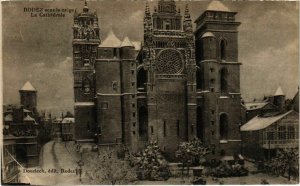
263, 135
9, 168
269, 126
67, 128
20, 122
252, 109
56, 128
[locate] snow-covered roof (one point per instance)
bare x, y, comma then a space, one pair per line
258, 123
111, 41
68, 120
84, 103
207, 34
28, 118
28, 87
126, 43
279, 92
25, 110
56, 120
8, 117
137, 45
217, 6
255, 105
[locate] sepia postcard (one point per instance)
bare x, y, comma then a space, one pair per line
162, 92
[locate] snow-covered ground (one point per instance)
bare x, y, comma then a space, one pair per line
54, 158
60, 155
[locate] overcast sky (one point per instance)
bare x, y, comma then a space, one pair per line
40, 49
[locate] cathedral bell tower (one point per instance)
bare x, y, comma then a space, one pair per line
218, 79
169, 67
85, 41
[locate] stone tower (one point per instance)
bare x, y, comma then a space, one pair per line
279, 98
28, 97
218, 79
116, 90
166, 78
85, 41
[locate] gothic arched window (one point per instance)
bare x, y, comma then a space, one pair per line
223, 49
142, 79
223, 80
223, 126
143, 123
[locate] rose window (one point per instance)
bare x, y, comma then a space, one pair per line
169, 61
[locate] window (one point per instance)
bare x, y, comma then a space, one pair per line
212, 89
132, 83
291, 132
115, 52
212, 122
132, 72
212, 81
212, 69
143, 123
281, 133
223, 49
223, 127
212, 111
133, 114
198, 78
133, 105
152, 130
192, 128
270, 135
212, 132
133, 132
134, 124
141, 79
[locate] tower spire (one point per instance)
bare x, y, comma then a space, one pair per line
187, 22
147, 10
147, 18
85, 8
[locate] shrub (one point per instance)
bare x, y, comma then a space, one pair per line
150, 164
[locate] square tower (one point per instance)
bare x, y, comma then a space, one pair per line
85, 41
218, 79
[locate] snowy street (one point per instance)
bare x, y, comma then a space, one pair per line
57, 167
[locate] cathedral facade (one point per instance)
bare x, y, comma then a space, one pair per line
180, 84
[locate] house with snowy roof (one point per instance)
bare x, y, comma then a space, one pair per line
21, 125
272, 128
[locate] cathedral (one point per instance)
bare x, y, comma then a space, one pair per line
179, 84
